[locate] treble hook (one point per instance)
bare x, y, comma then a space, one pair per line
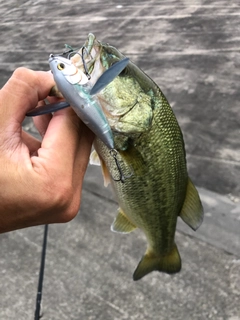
84, 63
122, 178
71, 52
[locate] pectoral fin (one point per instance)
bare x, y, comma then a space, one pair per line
192, 210
96, 160
170, 263
121, 223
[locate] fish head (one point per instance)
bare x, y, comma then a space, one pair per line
97, 57
123, 94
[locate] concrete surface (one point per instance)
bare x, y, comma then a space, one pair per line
191, 49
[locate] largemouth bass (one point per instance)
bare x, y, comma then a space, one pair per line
150, 153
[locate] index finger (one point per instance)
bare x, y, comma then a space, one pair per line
22, 93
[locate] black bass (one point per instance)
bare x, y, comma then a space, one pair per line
150, 153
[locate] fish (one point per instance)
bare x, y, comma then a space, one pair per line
151, 154
147, 168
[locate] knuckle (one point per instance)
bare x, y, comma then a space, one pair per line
22, 73
26, 77
25, 81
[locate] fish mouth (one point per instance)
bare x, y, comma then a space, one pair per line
94, 57
88, 58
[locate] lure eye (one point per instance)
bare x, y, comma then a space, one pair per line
61, 66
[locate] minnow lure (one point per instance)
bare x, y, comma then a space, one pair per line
74, 86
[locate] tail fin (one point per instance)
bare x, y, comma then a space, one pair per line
170, 263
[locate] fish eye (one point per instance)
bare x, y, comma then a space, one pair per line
61, 66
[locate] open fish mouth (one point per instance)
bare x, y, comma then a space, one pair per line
87, 53
88, 58
95, 57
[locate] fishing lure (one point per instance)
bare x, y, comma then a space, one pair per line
74, 86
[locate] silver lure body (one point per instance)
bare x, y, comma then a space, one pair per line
72, 83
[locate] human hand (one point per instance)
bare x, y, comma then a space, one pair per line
41, 181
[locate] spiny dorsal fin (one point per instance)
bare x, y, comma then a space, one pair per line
121, 223
170, 263
192, 210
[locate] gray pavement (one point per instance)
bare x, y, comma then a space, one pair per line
191, 49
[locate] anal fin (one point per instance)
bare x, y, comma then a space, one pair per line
192, 210
170, 263
121, 223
